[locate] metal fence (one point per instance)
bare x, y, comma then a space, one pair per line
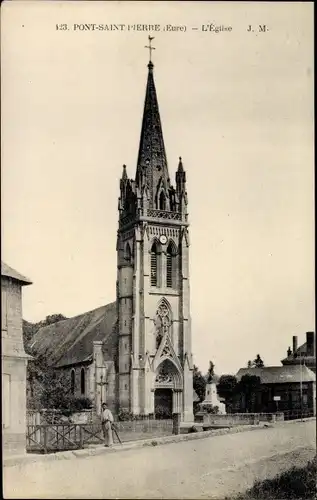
298, 414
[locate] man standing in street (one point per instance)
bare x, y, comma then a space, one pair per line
106, 423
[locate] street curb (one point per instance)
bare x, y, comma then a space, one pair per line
100, 450
297, 421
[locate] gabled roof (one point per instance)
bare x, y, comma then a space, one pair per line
70, 341
9, 272
280, 374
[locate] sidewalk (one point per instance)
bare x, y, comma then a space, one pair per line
94, 450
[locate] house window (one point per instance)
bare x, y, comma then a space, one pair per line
72, 381
154, 264
4, 312
82, 381
126, 387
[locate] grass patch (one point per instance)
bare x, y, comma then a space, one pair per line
296, 483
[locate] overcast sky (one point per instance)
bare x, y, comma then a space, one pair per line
238, 108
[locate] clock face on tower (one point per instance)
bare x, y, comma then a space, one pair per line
163, 239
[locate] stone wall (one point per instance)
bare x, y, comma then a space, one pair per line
14, 362
240, 419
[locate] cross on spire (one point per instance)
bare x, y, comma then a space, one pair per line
150, 47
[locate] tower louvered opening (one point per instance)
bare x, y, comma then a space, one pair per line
171, 266
154, 265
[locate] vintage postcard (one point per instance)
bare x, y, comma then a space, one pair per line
157, 274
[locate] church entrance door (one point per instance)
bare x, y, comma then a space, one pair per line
163, 403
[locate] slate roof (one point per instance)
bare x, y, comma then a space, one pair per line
70, 341
9, 272
280, 374
301, 352
152, 162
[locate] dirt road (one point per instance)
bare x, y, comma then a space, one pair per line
205, 468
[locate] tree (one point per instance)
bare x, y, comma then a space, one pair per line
249, 386
256, 363
51, 389
226, 388
48, 387
53, 318
29, 329
199, 384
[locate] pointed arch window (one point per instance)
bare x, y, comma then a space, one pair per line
72, 381
82, 381
162, 201
172, 201
127, 253
154, 264
171, 265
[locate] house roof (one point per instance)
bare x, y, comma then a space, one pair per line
70, 341
9, 272
280, 374
301, 352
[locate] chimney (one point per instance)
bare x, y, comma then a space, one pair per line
294, 344
310, 343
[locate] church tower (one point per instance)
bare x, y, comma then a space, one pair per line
155, 370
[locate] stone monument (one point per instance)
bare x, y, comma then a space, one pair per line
211, 401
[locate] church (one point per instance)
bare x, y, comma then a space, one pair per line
136, 352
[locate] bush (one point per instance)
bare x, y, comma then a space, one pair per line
296, 483
161, 412
126, 415
214, 410
192, 429
196, 407
82, 403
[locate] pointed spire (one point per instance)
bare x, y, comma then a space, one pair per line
180, 176
124, 173
180, 165
152, 163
